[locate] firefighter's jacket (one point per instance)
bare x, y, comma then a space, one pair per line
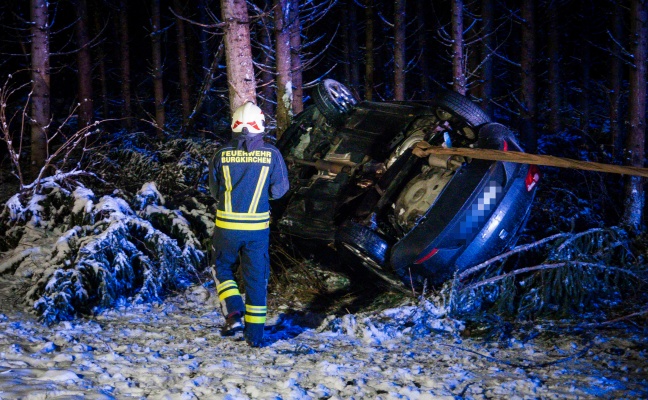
243, 176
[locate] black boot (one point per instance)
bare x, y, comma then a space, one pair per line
233, 324
254, 334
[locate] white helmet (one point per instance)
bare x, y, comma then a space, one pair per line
248, 116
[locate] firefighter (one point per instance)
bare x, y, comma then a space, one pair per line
243, 176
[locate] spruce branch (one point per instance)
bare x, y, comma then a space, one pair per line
503, 256
549, 267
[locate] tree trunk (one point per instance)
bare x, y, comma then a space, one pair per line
422, 48
487, 46
100, 56
635, 196
585, 64
124, 51
84, 63
458, 61
528, 112
283, 64
616, 76
238, 53
183, 70
156, 45
369, 50
554, 67
354, 83
400, 25
267, 95
295, 57
40, 71
346, 47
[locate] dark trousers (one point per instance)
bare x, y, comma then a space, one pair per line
255, 266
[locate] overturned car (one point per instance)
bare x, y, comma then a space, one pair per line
356, 183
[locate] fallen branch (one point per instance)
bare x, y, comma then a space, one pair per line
424, 149
526, 364
502, 256
576, 236
547, 267
204, 90
644, 311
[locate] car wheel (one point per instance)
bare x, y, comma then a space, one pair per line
367, 246
334, 101
454, 104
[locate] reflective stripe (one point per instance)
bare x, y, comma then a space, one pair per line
255, 314
229, 293
259, 188
226, 285
227, 289
243, 216
255, 320
228, 188
242, 226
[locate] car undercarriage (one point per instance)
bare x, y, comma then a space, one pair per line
355, 183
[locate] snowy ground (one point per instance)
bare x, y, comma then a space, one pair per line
173, 351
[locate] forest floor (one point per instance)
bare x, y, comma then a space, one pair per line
173, 350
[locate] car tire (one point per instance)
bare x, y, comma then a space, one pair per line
463, 107
359, 243
334, 101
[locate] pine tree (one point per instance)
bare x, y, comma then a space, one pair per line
183, 70
40, 69
369, 50
528, 61
634, 189
125, 67
458, 59
241, 80
283, 64
84, 62
400, 26
157, 68
554, 67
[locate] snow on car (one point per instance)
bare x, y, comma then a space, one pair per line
356, 183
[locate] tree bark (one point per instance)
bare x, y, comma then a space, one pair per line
369, 50
84, 63
528, 112
156, 46
346, 47
238, 53
585, 64
616, 76
354, 82
634, 189
458, 61
183, 69
400, 25
267, 95
554, 67
40, 72
283, 65
295, 57
423, 49
487, 46
100, 56
124, 51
